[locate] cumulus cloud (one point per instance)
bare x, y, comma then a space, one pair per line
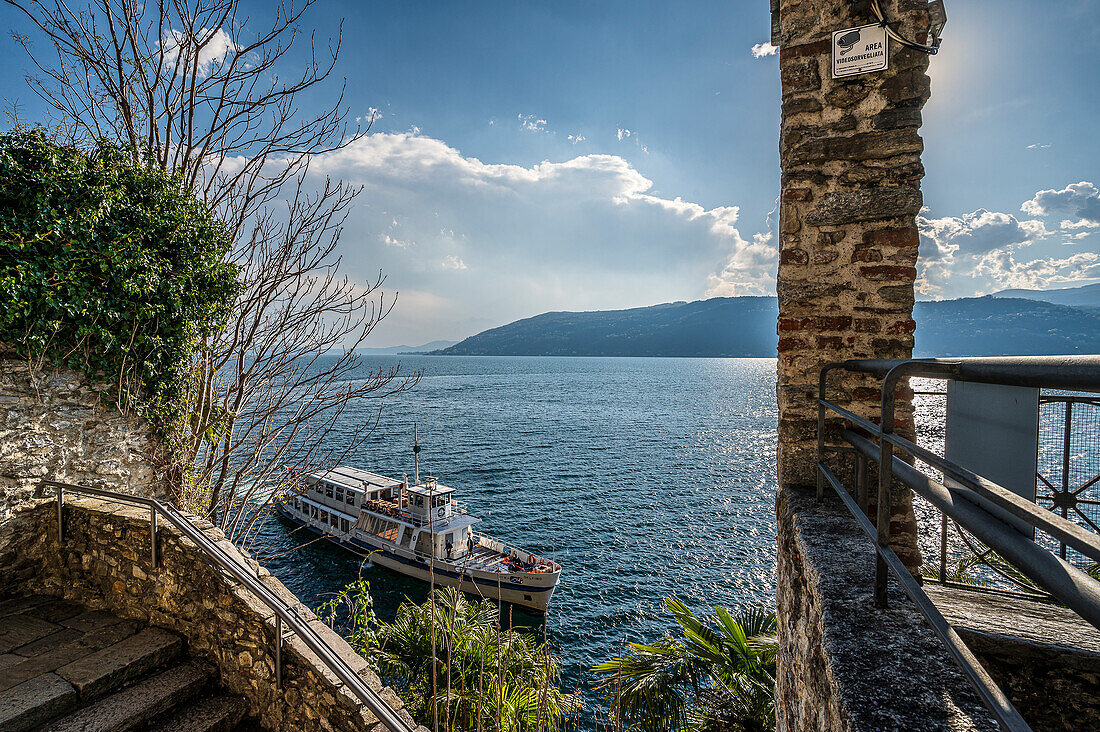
212, 45
576, 138
582, 233
1002, 268
1081, 224
984, 251
1080, 200
622, 133
760, 50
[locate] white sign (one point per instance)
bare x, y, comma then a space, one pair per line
860, 50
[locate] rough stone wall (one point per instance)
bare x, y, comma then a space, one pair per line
851, 170
844, 665
104, 563
55, 424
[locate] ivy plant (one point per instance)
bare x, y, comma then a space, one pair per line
108, 267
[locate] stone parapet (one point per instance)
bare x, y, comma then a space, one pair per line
104, 562
844, 665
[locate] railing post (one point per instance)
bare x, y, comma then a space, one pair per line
885, 484
153, 537
1066, 436
861, 482
278, 651
943, 548
821, 381
60, 507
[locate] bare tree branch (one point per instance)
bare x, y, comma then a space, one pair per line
193, 89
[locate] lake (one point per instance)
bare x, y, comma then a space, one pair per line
643, 477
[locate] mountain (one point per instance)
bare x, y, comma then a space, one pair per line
395, 350
1087, 296
998, 326
745, 326
724, 326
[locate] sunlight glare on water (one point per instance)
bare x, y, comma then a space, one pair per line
644, 477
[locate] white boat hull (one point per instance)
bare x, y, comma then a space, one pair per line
531, 590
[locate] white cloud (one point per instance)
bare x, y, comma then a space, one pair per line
1081, 200
582, 233
576, 138
622, 133
985, 251
531, 123
213, 46
1038, 146
760, 50
391, 242
1002, 269
373, 115
1081, 224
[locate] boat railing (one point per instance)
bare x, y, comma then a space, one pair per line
215, 555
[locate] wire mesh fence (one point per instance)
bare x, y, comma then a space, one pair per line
1067, 482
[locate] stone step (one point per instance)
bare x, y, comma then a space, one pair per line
138, 704
121, 663
212, 714
35, 702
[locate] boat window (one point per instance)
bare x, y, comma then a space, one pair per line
318, 488
420, 501
313, 512
324, 517
297, 505
350, 499
340, 494
344, 525
328, 490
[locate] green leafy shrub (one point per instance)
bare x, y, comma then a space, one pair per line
486, 677
718, 675
107, 267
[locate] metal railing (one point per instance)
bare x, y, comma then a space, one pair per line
284, 613
960, 498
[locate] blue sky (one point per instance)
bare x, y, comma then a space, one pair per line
535, 156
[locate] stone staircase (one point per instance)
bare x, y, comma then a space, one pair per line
64, 668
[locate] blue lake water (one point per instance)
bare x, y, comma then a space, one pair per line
643, 477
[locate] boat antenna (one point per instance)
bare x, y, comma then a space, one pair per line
416, 458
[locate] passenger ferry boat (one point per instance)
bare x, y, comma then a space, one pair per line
401, 525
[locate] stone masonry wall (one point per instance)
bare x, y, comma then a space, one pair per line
851, 170
844, 665
104, 563
54, 424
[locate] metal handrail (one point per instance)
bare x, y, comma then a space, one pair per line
988, 521
283, 612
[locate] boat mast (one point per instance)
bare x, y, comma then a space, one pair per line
416, 458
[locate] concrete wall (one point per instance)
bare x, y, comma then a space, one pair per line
55, 424
104, 563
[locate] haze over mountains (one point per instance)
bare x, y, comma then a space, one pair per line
745, 327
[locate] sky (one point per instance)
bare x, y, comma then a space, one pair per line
533, 156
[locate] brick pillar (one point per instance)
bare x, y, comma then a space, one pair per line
850, 155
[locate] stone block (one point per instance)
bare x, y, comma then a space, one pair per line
860, 146
868, 204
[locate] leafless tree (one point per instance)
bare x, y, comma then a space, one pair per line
193, 88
